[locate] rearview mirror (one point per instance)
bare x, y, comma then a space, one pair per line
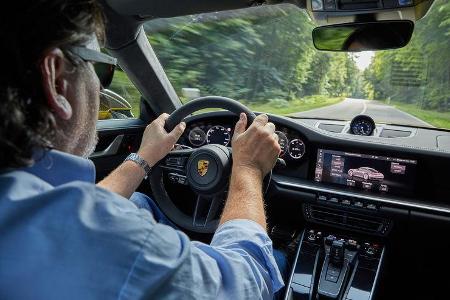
354, 37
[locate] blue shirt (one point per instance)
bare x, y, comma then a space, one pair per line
62, 237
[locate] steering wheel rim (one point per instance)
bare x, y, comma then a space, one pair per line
207, 102
208, 203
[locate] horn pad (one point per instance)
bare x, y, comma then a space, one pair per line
208, 169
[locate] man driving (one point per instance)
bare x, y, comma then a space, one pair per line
62, 236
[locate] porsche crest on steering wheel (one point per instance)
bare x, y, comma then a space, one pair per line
202, 167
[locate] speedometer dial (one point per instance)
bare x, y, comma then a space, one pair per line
296, 149
197, 137
218, 135
283, 141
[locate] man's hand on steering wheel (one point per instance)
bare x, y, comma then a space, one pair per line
156, 142
257, 147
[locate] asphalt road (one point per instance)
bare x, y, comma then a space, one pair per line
350, 108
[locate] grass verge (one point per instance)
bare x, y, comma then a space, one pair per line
435, 118
297, 105
283, 107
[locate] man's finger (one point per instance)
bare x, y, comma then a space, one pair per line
261, 120
270, 128
178, 131
161, 120
241, 124
276, 137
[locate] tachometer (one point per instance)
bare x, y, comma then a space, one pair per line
218, 135
296, 149
283, 141
197, 137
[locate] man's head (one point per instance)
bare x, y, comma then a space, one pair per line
49, 95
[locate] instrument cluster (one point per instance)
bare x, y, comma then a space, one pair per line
198, 134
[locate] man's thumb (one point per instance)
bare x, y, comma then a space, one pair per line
241, 124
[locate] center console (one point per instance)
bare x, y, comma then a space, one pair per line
332, 265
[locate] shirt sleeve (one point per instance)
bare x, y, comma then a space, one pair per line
238, 264
248, 236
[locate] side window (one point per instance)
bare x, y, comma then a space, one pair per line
121, 100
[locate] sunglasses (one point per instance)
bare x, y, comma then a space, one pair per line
104, 65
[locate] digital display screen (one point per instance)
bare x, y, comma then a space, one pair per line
368, 172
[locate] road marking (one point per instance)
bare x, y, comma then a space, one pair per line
364, 108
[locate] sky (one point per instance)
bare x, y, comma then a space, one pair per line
363, 59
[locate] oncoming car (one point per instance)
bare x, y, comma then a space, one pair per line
366, 173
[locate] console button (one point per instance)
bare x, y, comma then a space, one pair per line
182, 179
175, 161
333, 200
352, 245
322, 198
332, 270
371, 206
346, 202
358, 204
331, 278
330, 239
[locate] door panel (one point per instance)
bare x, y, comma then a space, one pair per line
116, 139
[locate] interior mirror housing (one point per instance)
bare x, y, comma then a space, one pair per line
355, 37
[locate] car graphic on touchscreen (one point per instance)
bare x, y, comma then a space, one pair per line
366, 173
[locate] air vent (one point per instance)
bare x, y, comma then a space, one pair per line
394, 133
337, 128
350, 220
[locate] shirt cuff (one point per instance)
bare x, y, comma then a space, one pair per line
252, 237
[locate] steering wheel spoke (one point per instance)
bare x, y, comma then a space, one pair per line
206, 209
175, 161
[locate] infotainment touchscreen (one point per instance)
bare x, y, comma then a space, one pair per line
369, 172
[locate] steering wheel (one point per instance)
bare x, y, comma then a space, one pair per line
205, 170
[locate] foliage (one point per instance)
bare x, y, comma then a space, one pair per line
295, 105
263, 57
122, 85
435, 118
418, 74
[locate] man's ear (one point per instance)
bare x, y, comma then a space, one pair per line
54, 83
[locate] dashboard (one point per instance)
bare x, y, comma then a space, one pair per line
220, 131
400, 169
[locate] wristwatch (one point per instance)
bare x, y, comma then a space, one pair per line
134, 157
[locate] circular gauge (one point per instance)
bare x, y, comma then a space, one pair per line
362, 125
197, 137
218, 135
296, 149
283, 141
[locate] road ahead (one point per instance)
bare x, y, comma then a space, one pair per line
350, 108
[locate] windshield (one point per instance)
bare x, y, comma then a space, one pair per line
264, 57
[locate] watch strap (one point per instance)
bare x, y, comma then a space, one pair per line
134, 157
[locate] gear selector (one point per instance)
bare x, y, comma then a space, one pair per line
337, 253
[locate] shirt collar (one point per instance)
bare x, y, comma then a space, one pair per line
57, 168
